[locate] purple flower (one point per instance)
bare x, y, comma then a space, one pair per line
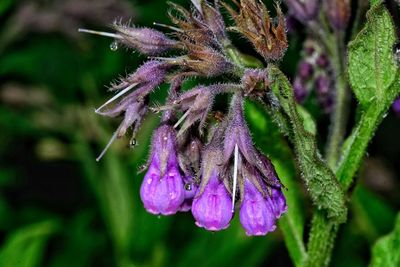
212, 207
212, 204
147, 41
338, 13
305, 70
150, 75
278, 202
256, 213
300, 90
162, 190
302, 10
396, 106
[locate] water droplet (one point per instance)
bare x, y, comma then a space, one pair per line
158, 217
132, 142
114, 46
142, 167
188, 187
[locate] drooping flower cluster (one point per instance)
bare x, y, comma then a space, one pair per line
314, 74
187, 171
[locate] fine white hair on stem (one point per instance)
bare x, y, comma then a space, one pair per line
122, 92
107, 34
235, 173
182, 118
167, 26
112, 139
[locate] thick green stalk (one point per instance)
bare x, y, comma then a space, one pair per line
322, 236
356, 145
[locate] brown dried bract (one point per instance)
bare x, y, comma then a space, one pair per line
253, 21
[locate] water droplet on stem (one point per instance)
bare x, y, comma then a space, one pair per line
114, 46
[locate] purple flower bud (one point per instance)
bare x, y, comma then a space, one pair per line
196, 103
134, 114
212, 207
151, 73
238, 134
145, 40
338, 12
300, 90
213, 18
323, 61
303, 10
396, 106
305, 70
203, 60
309, 49
162, 190
322, 84
190, 155
256, 213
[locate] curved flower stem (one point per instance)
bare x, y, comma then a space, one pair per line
340, 115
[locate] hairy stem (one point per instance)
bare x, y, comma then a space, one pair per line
356, 145
322, 236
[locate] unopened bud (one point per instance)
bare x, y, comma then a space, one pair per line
338, 12
303, 10
145, 40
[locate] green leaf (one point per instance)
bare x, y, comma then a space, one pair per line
321, 182
271, 142
372, 214
374, 77
25, 247
372, 68
385, 252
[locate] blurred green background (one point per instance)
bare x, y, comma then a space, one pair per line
59, 207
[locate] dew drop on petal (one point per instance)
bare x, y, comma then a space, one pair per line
188, 187
114, 46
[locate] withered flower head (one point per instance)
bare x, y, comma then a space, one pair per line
254, 22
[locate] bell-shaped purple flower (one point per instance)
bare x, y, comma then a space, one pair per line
162, 190
278, 202
256, 213
212, 204
212, 207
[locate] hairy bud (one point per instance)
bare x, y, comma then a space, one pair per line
145, 40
